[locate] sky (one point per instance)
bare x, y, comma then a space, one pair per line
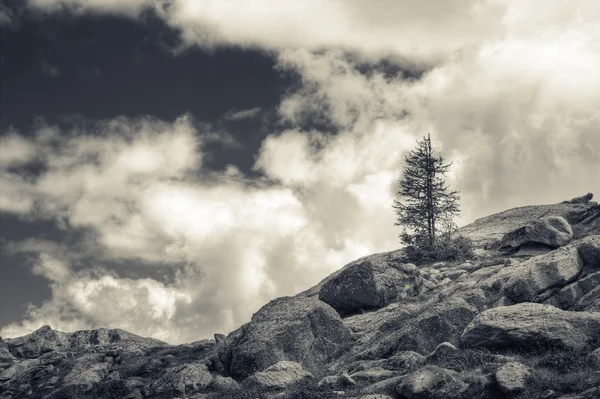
169, 166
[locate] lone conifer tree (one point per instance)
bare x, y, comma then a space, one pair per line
426, 202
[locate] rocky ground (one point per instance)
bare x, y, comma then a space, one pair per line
519, 320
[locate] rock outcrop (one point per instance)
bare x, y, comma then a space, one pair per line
530, 326
488, 231
580, 200
371, 283
552, 231
525, 281
278, 377
42, 340
512, 378
522, 324
303, 330
432, 382
589, 251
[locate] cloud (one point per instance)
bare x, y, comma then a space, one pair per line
96, 298
138, 191
233, 115
369, 28
514, 108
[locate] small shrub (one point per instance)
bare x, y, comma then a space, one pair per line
459, 248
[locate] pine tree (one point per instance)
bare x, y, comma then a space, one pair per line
427, 207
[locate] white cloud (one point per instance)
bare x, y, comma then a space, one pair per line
514, 108
136, 186
15, 150
243, 114
370, 28
93, 299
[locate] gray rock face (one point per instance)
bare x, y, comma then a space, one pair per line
371, 282
443, 322
220, 383
335, 382
590, 302
595, 357
277, 377
385, 340
581, 200
589, 251
304, 330
45, 339
431, 382
373, 375
512, 378
553, 231
528, 279
88, 370
488, 231
538, 274
181, 380
42, 340
530, 325
6, 358
570, 295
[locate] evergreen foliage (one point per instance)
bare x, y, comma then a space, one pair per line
427, 207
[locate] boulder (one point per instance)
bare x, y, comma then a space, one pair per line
553, 231
455, 274
385, 387
474, 297
370, 282
304, 330
219, 338
220, 383
569, 295
590, 302
429, 285
431, 382
528, 279
589, 251
180, 380
512, 378
488, 231
276, 378
531, 325
373, 375
580, 200
444, 321
339, 381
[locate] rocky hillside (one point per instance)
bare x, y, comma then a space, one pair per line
521, 319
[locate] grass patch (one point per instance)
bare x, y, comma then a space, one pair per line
463, 360
455, 249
